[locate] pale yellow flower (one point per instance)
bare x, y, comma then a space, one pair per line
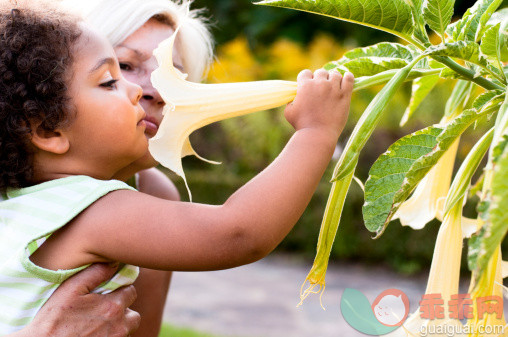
443, 279
190, 106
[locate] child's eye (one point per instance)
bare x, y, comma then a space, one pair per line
109, 84
125, 66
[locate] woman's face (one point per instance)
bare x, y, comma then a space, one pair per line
137, 63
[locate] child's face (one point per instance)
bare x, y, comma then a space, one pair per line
107, 132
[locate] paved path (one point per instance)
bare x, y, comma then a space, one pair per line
259, 300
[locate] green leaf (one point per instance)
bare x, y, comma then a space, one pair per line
491, 46
387, 175
501, 17
396, 173
438, 14
368, 66
485, 18
420, 32
496, 225
421, 88
392, 16
467, 51
473, 249
466, 28
487, 97
372, 60
383, 49
491, 43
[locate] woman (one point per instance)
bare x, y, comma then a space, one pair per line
135, 28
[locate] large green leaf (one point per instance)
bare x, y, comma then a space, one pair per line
473, 20
438, 14
421, 88
396, 173
392, 16
387, 175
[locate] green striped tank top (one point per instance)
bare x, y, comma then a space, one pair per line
28, 216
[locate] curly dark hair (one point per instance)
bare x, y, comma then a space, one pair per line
36, 48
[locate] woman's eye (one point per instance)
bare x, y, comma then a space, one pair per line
109, 84
125, 66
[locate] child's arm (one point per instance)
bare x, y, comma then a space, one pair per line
138, 229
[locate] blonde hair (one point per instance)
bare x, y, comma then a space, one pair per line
118, 19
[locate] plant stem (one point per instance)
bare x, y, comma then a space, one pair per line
467, 73
385, 76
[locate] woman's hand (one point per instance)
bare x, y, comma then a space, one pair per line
74, 311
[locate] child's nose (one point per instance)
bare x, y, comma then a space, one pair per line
135, 93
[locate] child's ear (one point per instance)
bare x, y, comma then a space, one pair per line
50, 141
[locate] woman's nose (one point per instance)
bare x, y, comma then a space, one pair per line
151, 95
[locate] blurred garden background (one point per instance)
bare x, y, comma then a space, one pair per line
259, 43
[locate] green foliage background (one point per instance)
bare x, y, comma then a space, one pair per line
246, 145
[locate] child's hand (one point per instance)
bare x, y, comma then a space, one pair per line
321, 102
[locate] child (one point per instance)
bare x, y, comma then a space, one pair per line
69, 122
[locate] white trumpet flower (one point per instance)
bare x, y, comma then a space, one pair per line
190, 106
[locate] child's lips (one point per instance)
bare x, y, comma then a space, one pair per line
151, 126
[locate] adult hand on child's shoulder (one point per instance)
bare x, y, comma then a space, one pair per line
74, 311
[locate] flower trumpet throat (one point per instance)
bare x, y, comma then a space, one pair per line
190, 106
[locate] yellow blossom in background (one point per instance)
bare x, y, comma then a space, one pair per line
286, 59
283, 59
324, 49
235, 63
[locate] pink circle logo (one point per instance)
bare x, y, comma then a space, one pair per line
391, 307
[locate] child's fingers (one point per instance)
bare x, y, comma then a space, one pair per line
304, 75
321, 74
348, 82
336, 78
